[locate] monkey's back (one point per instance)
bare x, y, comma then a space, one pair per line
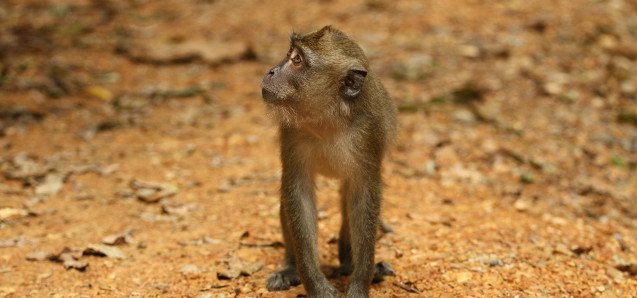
381, 108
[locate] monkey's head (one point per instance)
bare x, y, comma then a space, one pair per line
320, 78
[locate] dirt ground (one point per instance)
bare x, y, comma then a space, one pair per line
137, 158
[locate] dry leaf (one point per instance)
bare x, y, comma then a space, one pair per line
237, 267
200, 241
181, 209
409, 287
152, 192
99, 92
39, 256
629, 268
12, 213
190, 269
53, 183
17, 241
69, 257
463, 276
70, 260
522, 204
119, 239
104, 251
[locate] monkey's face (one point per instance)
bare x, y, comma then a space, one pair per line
281, 84
317, 79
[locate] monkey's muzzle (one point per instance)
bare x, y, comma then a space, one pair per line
270, 97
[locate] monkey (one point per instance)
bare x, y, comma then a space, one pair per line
337, 120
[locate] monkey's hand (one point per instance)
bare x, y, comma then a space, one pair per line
283, 280
381, 270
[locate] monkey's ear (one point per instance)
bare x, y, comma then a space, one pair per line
353, 82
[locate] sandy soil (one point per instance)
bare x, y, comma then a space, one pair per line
515, 172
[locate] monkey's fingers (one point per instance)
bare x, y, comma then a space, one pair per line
282, 280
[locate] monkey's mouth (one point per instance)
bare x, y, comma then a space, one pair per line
270, 97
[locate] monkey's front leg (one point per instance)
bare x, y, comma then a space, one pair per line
289, 276
300, 217
364, 211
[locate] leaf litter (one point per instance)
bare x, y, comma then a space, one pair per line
513, 173
235, 267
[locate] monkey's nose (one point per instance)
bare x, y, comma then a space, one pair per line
273, 70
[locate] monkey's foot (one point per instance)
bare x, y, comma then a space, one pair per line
283, 280
381, 270
344, 270
326, 292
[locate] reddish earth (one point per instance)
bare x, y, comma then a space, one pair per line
515, 172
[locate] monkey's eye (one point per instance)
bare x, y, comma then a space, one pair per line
296, 59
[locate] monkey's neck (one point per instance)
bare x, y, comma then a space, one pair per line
321, 132
313, 132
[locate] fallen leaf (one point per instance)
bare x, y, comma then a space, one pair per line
200, 241
189, 269
463, 276
269, 244
99, 92
522, 204
108, 170
4, 189
228, 274
147, 216
119, 239
69, 257
69, 260
104, 251
527, 178
9, 213
211, 287
152, 192
8, 291
236, 267
181, 209
52, 185
45, 275
17, 241
628, 268
562, 249
39, 256
24, 167
407, 287
581, 249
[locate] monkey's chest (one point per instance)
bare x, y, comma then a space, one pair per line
333, 159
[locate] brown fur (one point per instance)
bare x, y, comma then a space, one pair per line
336, 120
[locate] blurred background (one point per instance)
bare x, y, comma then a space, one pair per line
136, 153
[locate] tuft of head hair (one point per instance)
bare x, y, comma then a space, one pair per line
329, 39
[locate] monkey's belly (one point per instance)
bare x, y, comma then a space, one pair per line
329, 171
333, 165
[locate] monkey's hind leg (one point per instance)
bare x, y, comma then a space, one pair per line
344, 238
289, 276
364, 202
381, 269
